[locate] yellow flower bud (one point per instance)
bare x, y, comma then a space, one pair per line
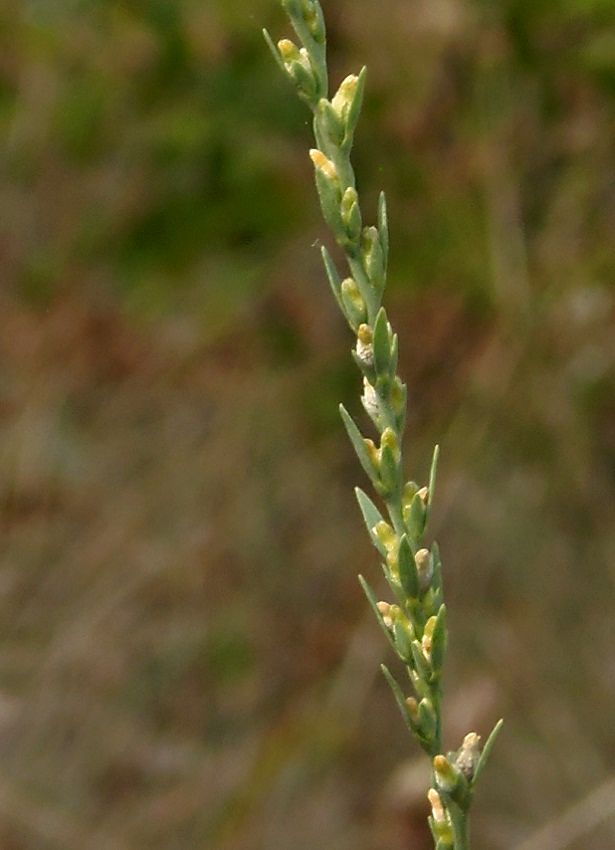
323, 164
365, 333
385, 534
374, 456
469, 754
351, 290
288, 50
413, 708
345, 94
437, 809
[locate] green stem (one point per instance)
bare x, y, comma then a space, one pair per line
461, 826
436, 698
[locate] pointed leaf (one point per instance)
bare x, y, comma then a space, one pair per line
422, 688
427, 718
436, 581
394, 585
329, 195
416, 518
394, 354
333, 277
433, 473
420, 663
484, 756
274, 51
356, 438
353, 308
381, 344
389, 470
330, 122
374, 606
383, 226
403, 643
432, 827
401, 405
372, 517
408, 575
354, 223
438, 641
399, 696
354, 109
373, 257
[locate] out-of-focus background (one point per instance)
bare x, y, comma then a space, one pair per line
186, 660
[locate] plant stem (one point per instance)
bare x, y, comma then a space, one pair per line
461, 826
415, 624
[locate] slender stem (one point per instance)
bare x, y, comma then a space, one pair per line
461, 826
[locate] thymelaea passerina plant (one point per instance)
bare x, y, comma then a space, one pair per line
414, 622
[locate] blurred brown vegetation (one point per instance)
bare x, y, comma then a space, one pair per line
185, 658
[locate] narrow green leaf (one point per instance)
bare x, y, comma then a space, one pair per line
399, 696
394, 354
421, 665
416, 519
438, 641
274, 52
356, 438
399, 400
433, 474
381, 344
354, 110
422, 688
484, 756
389, 470
333, 277
354, 223
436, 581
354, 309
374, 606
427, 718
292, 8
383, 226
330, 122
371, 516
408, 575
373, 257
403, 643
393, 584
330, 198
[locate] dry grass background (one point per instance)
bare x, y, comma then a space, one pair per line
185, 658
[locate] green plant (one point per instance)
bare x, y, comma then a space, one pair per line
415, 624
